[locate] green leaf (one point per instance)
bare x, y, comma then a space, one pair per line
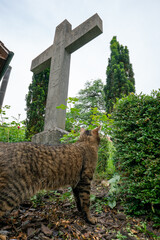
62, 106
112, 204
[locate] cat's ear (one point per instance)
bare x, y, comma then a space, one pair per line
96, 130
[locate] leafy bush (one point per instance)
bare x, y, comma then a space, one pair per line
113, 191
136, 134
13, 131
105, 164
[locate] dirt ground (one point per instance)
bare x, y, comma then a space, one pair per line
54, 216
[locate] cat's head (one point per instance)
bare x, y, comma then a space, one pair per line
91, 136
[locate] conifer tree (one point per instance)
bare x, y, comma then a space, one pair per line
120, 77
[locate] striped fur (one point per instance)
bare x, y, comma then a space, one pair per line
26, 168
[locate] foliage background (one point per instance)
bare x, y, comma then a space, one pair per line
136, 134
13, 131
81, 107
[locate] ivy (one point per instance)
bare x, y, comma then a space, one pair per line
36, 103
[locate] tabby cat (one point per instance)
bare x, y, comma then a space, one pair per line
26, 168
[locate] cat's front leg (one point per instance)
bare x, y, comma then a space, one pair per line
82, 197
85, 202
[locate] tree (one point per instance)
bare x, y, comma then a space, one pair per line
92, 96
120, 77
36, 103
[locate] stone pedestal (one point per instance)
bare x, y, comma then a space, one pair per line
51, 137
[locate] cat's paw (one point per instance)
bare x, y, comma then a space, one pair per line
92, 220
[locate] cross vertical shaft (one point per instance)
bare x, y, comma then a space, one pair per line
58, 80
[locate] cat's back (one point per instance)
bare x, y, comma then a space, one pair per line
30, 163
29, 156
13, 152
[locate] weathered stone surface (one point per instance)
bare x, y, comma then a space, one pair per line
84, 33
57, 57
43, 61
59, 78
49, 137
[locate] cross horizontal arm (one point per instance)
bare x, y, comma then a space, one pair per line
84, 33
42, 61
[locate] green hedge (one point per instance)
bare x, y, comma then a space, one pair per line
136, 134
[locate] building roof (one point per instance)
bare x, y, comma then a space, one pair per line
5, 58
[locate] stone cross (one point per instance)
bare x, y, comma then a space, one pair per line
57, 57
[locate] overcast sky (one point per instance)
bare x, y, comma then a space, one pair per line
27, 28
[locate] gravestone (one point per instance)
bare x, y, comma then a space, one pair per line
57, 58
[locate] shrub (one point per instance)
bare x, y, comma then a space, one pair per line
136, 134
105, 164
11, 131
